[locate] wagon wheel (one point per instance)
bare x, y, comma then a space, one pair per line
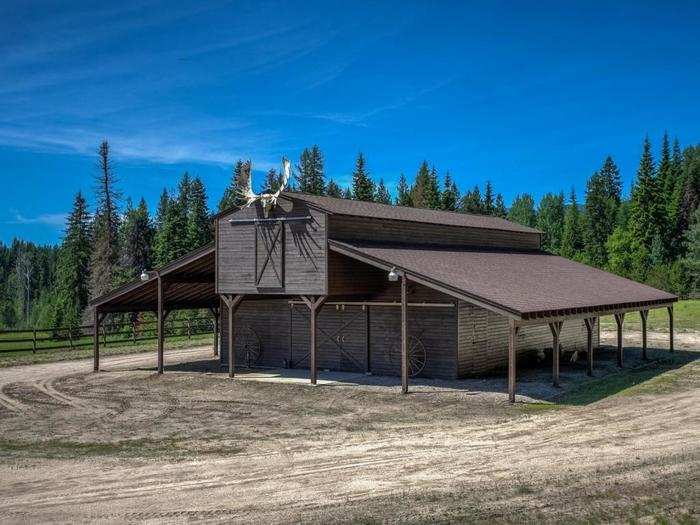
247, 346
416, 356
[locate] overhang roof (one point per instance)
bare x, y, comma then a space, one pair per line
189, 283
520, 284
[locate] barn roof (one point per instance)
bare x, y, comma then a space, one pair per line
403, 213
522, 284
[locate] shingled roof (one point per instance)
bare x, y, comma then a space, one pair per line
524, 284
404, 213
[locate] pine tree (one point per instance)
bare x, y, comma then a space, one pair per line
199, 227
333, 190
572, 235
272, 181
602, 205
471, 202
499, 209
403, 193
646, 212
664, 172
105, 255
136, 239
71, 290
347, 194
450, 194
550, 219
382, 193
426, 192
522, 210
488, 199
232, 194
317, 178
362, 185
691, 263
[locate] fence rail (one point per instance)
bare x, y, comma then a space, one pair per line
62, 338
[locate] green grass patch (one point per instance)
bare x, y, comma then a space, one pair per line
686, 318
47, 356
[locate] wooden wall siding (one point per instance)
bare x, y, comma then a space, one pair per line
343, 227
269, 319
304, 256
348, 276
483, 339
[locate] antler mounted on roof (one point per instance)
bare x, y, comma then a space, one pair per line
268, 200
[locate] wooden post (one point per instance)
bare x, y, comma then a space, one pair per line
34, 341
133, 332
619, 319
590, 322
160, 321
404, 335
314, 307
368, 349
96, 340
189, 328
215, 313
644, 314
104, 335
512, 343
670, 328
555, 328
232, 302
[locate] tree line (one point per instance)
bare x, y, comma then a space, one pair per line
652, 235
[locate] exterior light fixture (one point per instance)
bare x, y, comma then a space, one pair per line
144, 275
393, 275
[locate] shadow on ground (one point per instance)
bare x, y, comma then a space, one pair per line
534, 380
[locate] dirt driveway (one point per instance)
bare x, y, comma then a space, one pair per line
128, 446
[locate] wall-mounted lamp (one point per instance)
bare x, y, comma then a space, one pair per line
393, 275
144, 275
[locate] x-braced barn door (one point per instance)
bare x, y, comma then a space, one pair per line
269, 255
341, 336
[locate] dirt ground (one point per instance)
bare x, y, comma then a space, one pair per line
126, 445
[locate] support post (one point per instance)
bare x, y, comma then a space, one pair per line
644, 314
232, 302
512, 343
96, 340
590, 323
670, 328
215, 313
555, 328
619, 319
368, 349
160, 320
314, 307
34, 340
404, 335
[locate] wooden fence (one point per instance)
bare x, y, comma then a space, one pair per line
65, 338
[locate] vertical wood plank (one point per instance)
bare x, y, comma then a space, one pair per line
161, 334
512, 343
404, 335
216, 331
556, 330
367, 343
590, 322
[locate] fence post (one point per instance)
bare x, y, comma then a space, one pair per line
70, 337
133, 331
189, 330
104, 335
34, 341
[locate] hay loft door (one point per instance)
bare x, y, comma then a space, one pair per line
269, 254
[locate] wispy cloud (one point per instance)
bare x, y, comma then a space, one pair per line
56, 220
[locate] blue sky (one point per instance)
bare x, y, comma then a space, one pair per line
530, 97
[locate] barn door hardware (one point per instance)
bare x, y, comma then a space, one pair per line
273, 244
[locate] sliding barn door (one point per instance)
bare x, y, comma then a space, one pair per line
269, 255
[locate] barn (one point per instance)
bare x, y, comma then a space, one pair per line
335, 284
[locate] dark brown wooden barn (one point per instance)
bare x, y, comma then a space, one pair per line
334, 284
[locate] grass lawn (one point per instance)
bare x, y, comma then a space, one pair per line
686, 318
63, 354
